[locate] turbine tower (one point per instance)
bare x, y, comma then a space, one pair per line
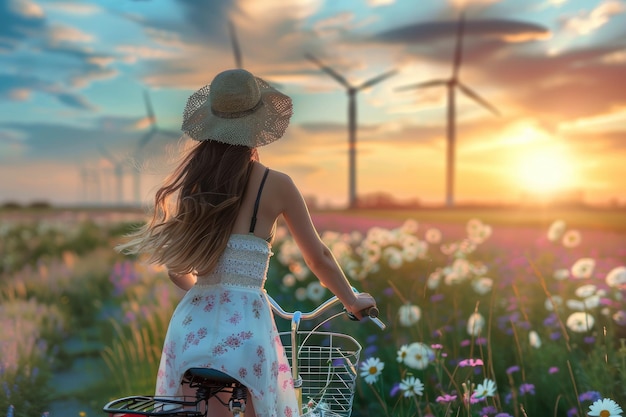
235, 44
352, 119
452, 84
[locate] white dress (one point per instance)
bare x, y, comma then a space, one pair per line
225, 322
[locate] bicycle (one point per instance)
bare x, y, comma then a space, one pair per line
323, 372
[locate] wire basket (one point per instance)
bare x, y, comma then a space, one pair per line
327, 365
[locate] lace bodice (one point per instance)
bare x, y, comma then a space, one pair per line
245, 262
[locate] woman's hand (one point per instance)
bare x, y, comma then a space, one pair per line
359, 308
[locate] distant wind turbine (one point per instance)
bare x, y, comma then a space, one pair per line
118, 165
90, 184
452, 84
153, 130
352, 119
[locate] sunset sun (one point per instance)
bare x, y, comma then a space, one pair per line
545, 172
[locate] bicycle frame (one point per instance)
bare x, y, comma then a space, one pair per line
153, 406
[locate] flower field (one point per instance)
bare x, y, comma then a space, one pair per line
483, 320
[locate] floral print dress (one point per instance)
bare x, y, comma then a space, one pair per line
225, 322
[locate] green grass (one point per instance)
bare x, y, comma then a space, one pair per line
584, 218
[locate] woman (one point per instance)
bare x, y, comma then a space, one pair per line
216, 243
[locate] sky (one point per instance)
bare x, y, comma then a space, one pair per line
77, 79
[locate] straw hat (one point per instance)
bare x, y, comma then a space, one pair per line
237, 108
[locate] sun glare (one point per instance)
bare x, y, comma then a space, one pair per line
545, 171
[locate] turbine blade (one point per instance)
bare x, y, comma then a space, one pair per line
459, 47
473, 95
378, 79
426, 84
107, 155
170, 134
328, 70
235, 43
145, 139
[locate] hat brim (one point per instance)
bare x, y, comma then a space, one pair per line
263, 126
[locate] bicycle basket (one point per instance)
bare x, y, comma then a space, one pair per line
327, 365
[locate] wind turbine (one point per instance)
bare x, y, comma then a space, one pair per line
90, 181
352, 122
152, 131
452, 84
118, 171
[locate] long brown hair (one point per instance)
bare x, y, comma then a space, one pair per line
207, 189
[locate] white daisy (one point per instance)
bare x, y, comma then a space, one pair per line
534, 340
409, 314
434, 279
410, 226
585, 291
418, 356
301, 294
473, 226
561, 274
475, 324
580, 322
393, 256
616, 278
433, 236
289, 280
371, 369
592, 302
605, 407
556, 230
412, 386
575, 305
486, 389
571, 239
482, 285
315, 291
402, 352
583, 268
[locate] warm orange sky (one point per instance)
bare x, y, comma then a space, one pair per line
73, 76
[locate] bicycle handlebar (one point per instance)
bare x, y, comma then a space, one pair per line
371, 313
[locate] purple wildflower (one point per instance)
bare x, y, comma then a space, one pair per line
553, 370
590, 396
527, 389
395, 389
512, 369
490, 409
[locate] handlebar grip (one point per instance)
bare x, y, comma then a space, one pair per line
372, 314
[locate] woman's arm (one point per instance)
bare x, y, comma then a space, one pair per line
316, 254
183, 281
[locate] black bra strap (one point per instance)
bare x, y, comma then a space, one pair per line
258, 198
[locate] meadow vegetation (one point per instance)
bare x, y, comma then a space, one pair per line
524, 327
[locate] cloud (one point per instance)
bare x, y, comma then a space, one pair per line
40, 141
18, 21
586, 22
18, 87
506, 30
